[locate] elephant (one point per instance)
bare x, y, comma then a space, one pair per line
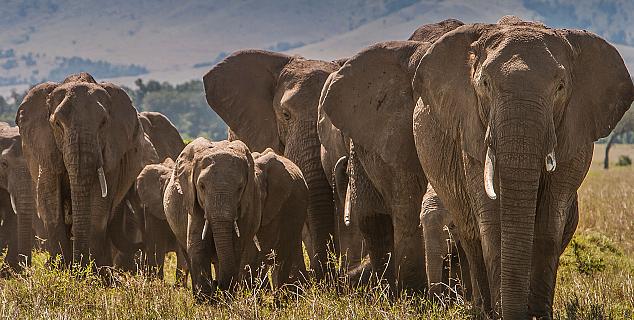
136, 225
158, 237
17, 201
434, 218
387, 201
233, 208
489, 106
84, 147
269, 100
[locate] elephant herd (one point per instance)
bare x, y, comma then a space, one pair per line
485, 130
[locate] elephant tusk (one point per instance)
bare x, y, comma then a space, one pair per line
489, 172
13, 204
346, 207
102, 182
257, 243
551, 162
235, 226
205, 229
127, 202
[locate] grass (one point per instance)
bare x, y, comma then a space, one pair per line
595, 280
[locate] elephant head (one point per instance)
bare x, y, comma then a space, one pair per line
150, 187
522, 100
269, 100
213, 187
87, 133
16, 180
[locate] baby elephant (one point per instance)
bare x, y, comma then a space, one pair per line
233, 208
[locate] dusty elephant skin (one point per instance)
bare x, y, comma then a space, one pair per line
514, 126
231, 208
571, 88
139, 222
17, 201
83, 143
269, 100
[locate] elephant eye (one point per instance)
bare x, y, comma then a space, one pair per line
103, 123
560, 86
4, 164
286, 114
202, 187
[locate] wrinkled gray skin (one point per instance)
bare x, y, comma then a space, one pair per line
434, 218
219, 197
18, 216
141, 222
158, 238
536, 91
71, 131
384, 193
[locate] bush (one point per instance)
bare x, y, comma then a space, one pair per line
624, 161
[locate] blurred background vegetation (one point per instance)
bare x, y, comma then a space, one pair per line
184, 104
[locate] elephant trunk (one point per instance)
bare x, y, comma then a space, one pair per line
304, 149
82, 158
22, 195
523, 141
223, 233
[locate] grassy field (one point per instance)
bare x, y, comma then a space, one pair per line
595, 279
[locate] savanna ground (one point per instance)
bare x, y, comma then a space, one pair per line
595, 280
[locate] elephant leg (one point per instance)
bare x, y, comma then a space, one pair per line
182, 268
478, 273
154, 242
409, 251
9, 228
465, 274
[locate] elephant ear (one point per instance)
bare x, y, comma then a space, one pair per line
433, 31
32, 119
180, 195
241, 89
370, 100
602, 91
443, 83
251, 199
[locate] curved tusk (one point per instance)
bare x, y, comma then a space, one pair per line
102, 182
205, 229
346, 207
489, 173
13, 204
127, 202
235, 226
551, 162
257, 243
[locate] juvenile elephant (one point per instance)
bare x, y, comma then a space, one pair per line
269, 100
227, 206
84, 144
158, 238
17, 203
508, 96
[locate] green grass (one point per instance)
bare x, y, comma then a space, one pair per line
595, 279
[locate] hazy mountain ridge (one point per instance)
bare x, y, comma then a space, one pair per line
179, 40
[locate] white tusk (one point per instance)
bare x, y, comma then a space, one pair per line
102, 182
205, 229
346, 207
489, 172
1, 222
257, 243
127, 202
235, 226
13, 203
551, 162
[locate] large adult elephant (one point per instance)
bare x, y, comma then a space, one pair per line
18, 201
386, 190
269, 100
515, 96
335, 151
84, 144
